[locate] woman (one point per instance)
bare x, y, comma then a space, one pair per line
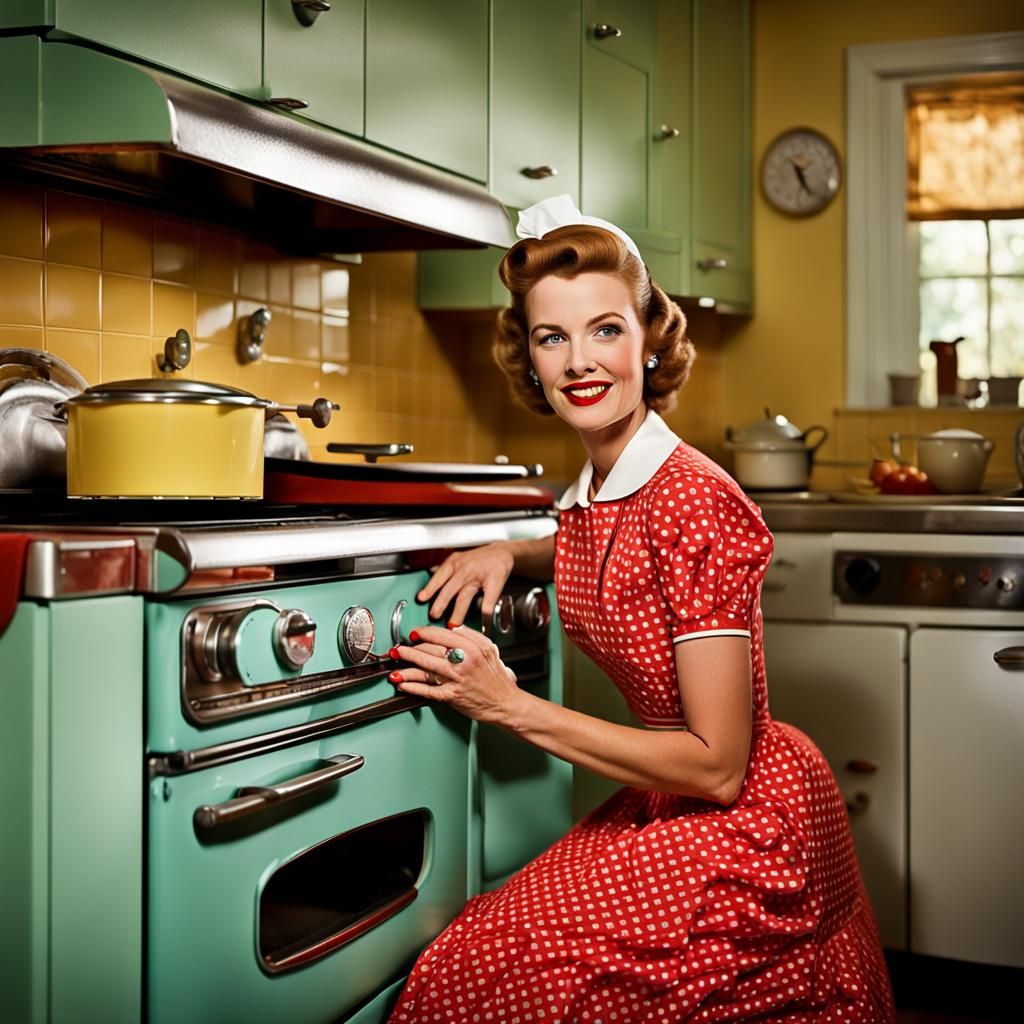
721, 883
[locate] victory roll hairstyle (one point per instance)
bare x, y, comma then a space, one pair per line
582, 249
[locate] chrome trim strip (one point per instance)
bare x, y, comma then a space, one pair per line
283, 545
182, 762
827, 517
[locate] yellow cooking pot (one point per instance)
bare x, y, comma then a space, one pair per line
166, 438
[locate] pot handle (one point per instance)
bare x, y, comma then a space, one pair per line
821, 440
319, 413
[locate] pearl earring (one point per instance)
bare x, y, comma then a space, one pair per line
534, 378
652, 363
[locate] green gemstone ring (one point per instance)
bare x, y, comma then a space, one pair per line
456, 655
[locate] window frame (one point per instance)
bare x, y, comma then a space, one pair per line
882, 246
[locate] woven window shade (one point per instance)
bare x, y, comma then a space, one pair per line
965, 149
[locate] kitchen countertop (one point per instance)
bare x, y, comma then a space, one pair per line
1001, 516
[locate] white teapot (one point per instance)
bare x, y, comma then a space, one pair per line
954, 460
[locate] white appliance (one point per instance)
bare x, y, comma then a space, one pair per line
902, 656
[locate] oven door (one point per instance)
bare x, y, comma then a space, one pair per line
296, 883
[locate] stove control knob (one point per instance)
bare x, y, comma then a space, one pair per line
504, 616
862, 575
1006, 583
294, 638
533, 609
355, 635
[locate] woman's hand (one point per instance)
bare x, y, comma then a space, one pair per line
482, 686
463, 575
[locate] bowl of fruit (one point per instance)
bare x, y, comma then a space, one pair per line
890, 477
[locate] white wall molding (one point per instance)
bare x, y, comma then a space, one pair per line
881, 247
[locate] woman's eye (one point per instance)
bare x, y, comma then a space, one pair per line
608, 331
551, 339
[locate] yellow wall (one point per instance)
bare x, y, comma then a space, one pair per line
791, 355
102, 284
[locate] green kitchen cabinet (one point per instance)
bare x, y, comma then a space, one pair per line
317, 61
616, 110
217, 43
70, 803
460, 279
535, 100
720, 255
700, 153
426, 81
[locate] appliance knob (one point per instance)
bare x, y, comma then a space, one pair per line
294, 638
356, 634
398, 638
862, 575
533, 609
1006, 583
504, 615
218, 639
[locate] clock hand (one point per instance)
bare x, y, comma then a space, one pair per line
799, 171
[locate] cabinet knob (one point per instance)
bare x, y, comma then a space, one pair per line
543, 171
712, 263
289, 102
861, 766
666, 131
1009, 658
307, 11
603, 31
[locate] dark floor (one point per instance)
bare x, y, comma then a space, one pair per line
933, 991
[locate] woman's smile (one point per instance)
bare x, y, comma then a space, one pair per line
587, 392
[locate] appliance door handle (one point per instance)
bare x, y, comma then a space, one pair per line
251, 799
1009, 658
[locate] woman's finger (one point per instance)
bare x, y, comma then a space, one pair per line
492, 591
439, 576
434, 693
446, 595
438, 666
463, 602
463, 637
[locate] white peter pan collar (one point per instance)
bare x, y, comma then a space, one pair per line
644, 454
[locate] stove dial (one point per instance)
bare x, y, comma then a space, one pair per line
1006, 583
355, 635
294, 638
503, 618
397, 636
227, 642
863, 575
533, 609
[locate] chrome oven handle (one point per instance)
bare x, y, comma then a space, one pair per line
250, 799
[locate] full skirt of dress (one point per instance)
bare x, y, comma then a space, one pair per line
664, 908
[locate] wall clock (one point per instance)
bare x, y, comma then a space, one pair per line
800, 172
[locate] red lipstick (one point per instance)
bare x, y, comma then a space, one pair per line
571, 391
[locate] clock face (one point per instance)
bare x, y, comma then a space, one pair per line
800, 172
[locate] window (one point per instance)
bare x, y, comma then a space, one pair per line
884, 247
972, 287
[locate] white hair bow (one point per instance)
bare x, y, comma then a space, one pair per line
557, 212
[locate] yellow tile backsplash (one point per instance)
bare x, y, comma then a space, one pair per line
103, 284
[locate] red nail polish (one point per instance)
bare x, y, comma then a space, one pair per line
414, 637
452, 624
393, 653
395, 677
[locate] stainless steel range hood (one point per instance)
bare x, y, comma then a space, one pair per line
121, 129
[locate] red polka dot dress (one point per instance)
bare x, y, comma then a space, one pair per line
658, 907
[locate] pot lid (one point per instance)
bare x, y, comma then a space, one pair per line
953, 434
167, 389
770, 433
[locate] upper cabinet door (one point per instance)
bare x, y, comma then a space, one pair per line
616, 109
426, 81
721, 151
317, 59
220, 43
535, 99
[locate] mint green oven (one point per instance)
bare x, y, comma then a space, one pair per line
294, 884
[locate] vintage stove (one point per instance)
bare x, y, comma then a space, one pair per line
216, 807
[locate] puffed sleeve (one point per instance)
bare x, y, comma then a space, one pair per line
711, 551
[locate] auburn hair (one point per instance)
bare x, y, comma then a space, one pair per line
581, 249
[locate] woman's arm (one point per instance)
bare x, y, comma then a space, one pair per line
708, 761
